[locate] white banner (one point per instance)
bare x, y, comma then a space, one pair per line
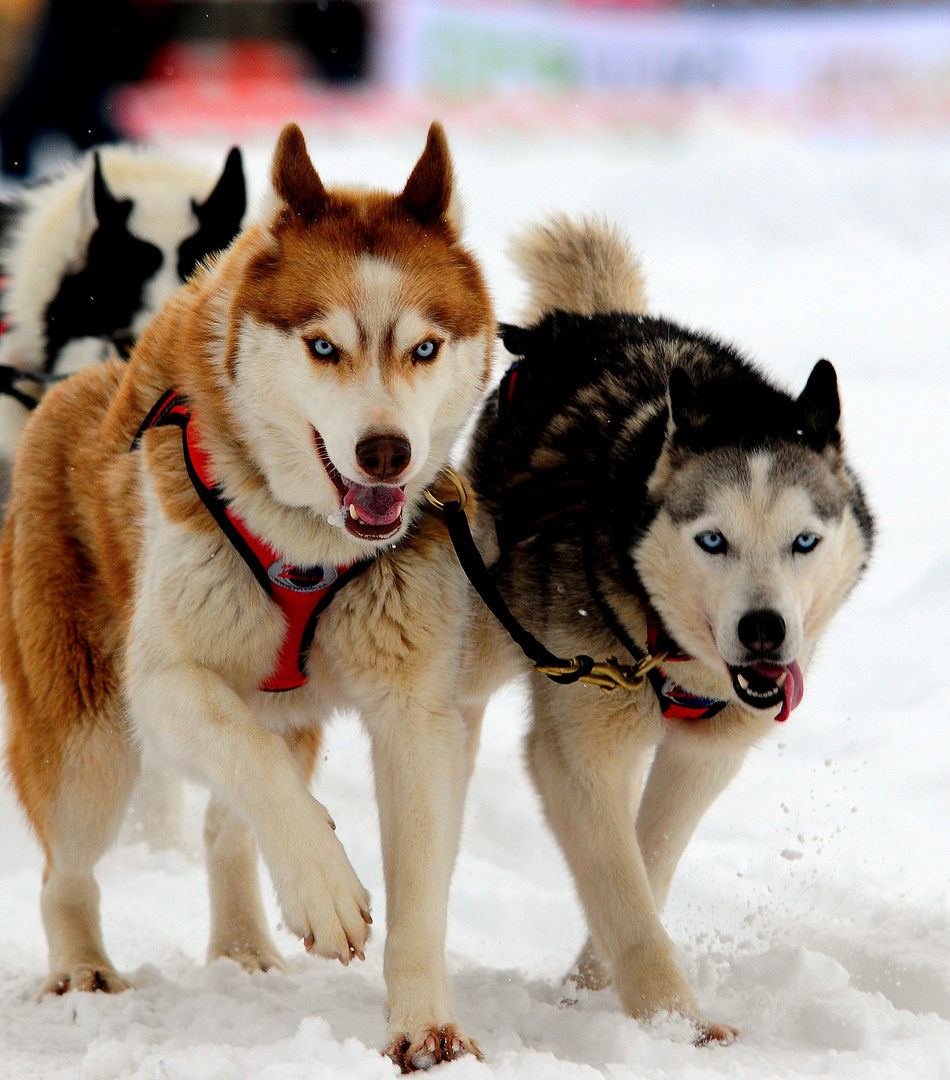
466, 48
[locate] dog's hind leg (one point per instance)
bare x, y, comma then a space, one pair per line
156, 809
79, 823
238, 923
690, 770
239, 929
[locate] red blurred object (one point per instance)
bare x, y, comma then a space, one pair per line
237, 62
230, 86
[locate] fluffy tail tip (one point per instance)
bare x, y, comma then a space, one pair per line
584, 267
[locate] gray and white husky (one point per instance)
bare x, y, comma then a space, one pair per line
642, 488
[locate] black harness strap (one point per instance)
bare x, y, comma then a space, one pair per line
559, 500
477, 573
610, 617
10, 376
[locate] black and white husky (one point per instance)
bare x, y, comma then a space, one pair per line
86, 259
644, 489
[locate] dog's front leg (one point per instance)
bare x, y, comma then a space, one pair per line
582, 752
203, 725
421, 770
690, 770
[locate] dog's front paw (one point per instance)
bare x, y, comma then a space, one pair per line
323, 902
648, 981
421, 1049
85, 977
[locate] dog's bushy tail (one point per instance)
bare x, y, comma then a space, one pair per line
584, 267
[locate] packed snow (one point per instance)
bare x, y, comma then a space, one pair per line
811, 909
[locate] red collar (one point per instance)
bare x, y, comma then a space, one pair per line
300, 592
659, 641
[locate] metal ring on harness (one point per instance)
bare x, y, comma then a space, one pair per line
459, 486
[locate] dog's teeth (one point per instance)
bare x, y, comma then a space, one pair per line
353, 512
743, 681
780, 681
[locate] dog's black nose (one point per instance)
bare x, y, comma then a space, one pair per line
761, 631
384, 457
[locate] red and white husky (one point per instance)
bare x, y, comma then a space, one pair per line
177, 528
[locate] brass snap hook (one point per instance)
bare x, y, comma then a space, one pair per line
457, 483
608, 675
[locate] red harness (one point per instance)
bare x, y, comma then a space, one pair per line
301, 593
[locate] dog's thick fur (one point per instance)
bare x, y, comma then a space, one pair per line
683, 444
127, 618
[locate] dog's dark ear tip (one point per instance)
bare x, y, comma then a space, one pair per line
820, 406
514, 338
105, 204
228, 197
686, 411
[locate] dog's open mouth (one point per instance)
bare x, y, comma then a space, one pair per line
369, 511
764, 685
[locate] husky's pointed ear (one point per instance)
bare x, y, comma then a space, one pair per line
108, 209
819, 407
428, 191
226, 204
687, 412
219, 217
514, 338
294, 178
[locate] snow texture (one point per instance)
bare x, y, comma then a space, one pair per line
812, 908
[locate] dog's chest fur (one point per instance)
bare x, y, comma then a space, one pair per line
196, 591
138, 559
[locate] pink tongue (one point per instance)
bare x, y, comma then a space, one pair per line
376, 504
794, 685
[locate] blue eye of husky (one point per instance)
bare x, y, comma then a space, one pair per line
324, 350
804, 543
426, 351
713, 542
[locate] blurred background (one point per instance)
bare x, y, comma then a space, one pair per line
77, 72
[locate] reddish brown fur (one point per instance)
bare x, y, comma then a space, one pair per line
294, 177
71, 540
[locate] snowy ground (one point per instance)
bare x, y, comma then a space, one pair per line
812, 907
